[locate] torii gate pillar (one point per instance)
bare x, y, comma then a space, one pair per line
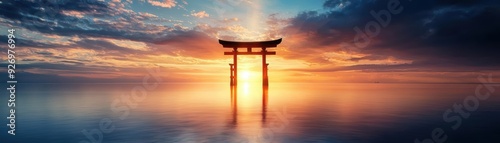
249, 45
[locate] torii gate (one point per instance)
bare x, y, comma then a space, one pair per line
249, 45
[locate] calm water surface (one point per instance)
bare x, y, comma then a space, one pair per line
206, 112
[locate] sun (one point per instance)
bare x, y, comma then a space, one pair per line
245, 75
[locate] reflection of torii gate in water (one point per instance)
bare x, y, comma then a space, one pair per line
249, 45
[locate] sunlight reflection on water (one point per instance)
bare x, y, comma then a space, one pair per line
294, 113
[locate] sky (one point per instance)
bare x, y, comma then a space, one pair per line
109, 41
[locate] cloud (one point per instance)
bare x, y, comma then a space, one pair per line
112, 31
191, 44
200, 14
431, 34
73, 13
165, 3
100, 38
100, 20
71, 72
147, 15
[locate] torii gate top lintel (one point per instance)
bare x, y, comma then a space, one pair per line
257, 44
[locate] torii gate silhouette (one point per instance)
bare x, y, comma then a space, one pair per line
249, 45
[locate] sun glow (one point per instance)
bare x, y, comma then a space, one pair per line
246, 75
248, 82
249, 76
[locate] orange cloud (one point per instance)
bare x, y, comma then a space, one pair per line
200, 14
165, 3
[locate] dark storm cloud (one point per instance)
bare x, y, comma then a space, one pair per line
29, 43
44, 8
449, 33
100, 45
96, 45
